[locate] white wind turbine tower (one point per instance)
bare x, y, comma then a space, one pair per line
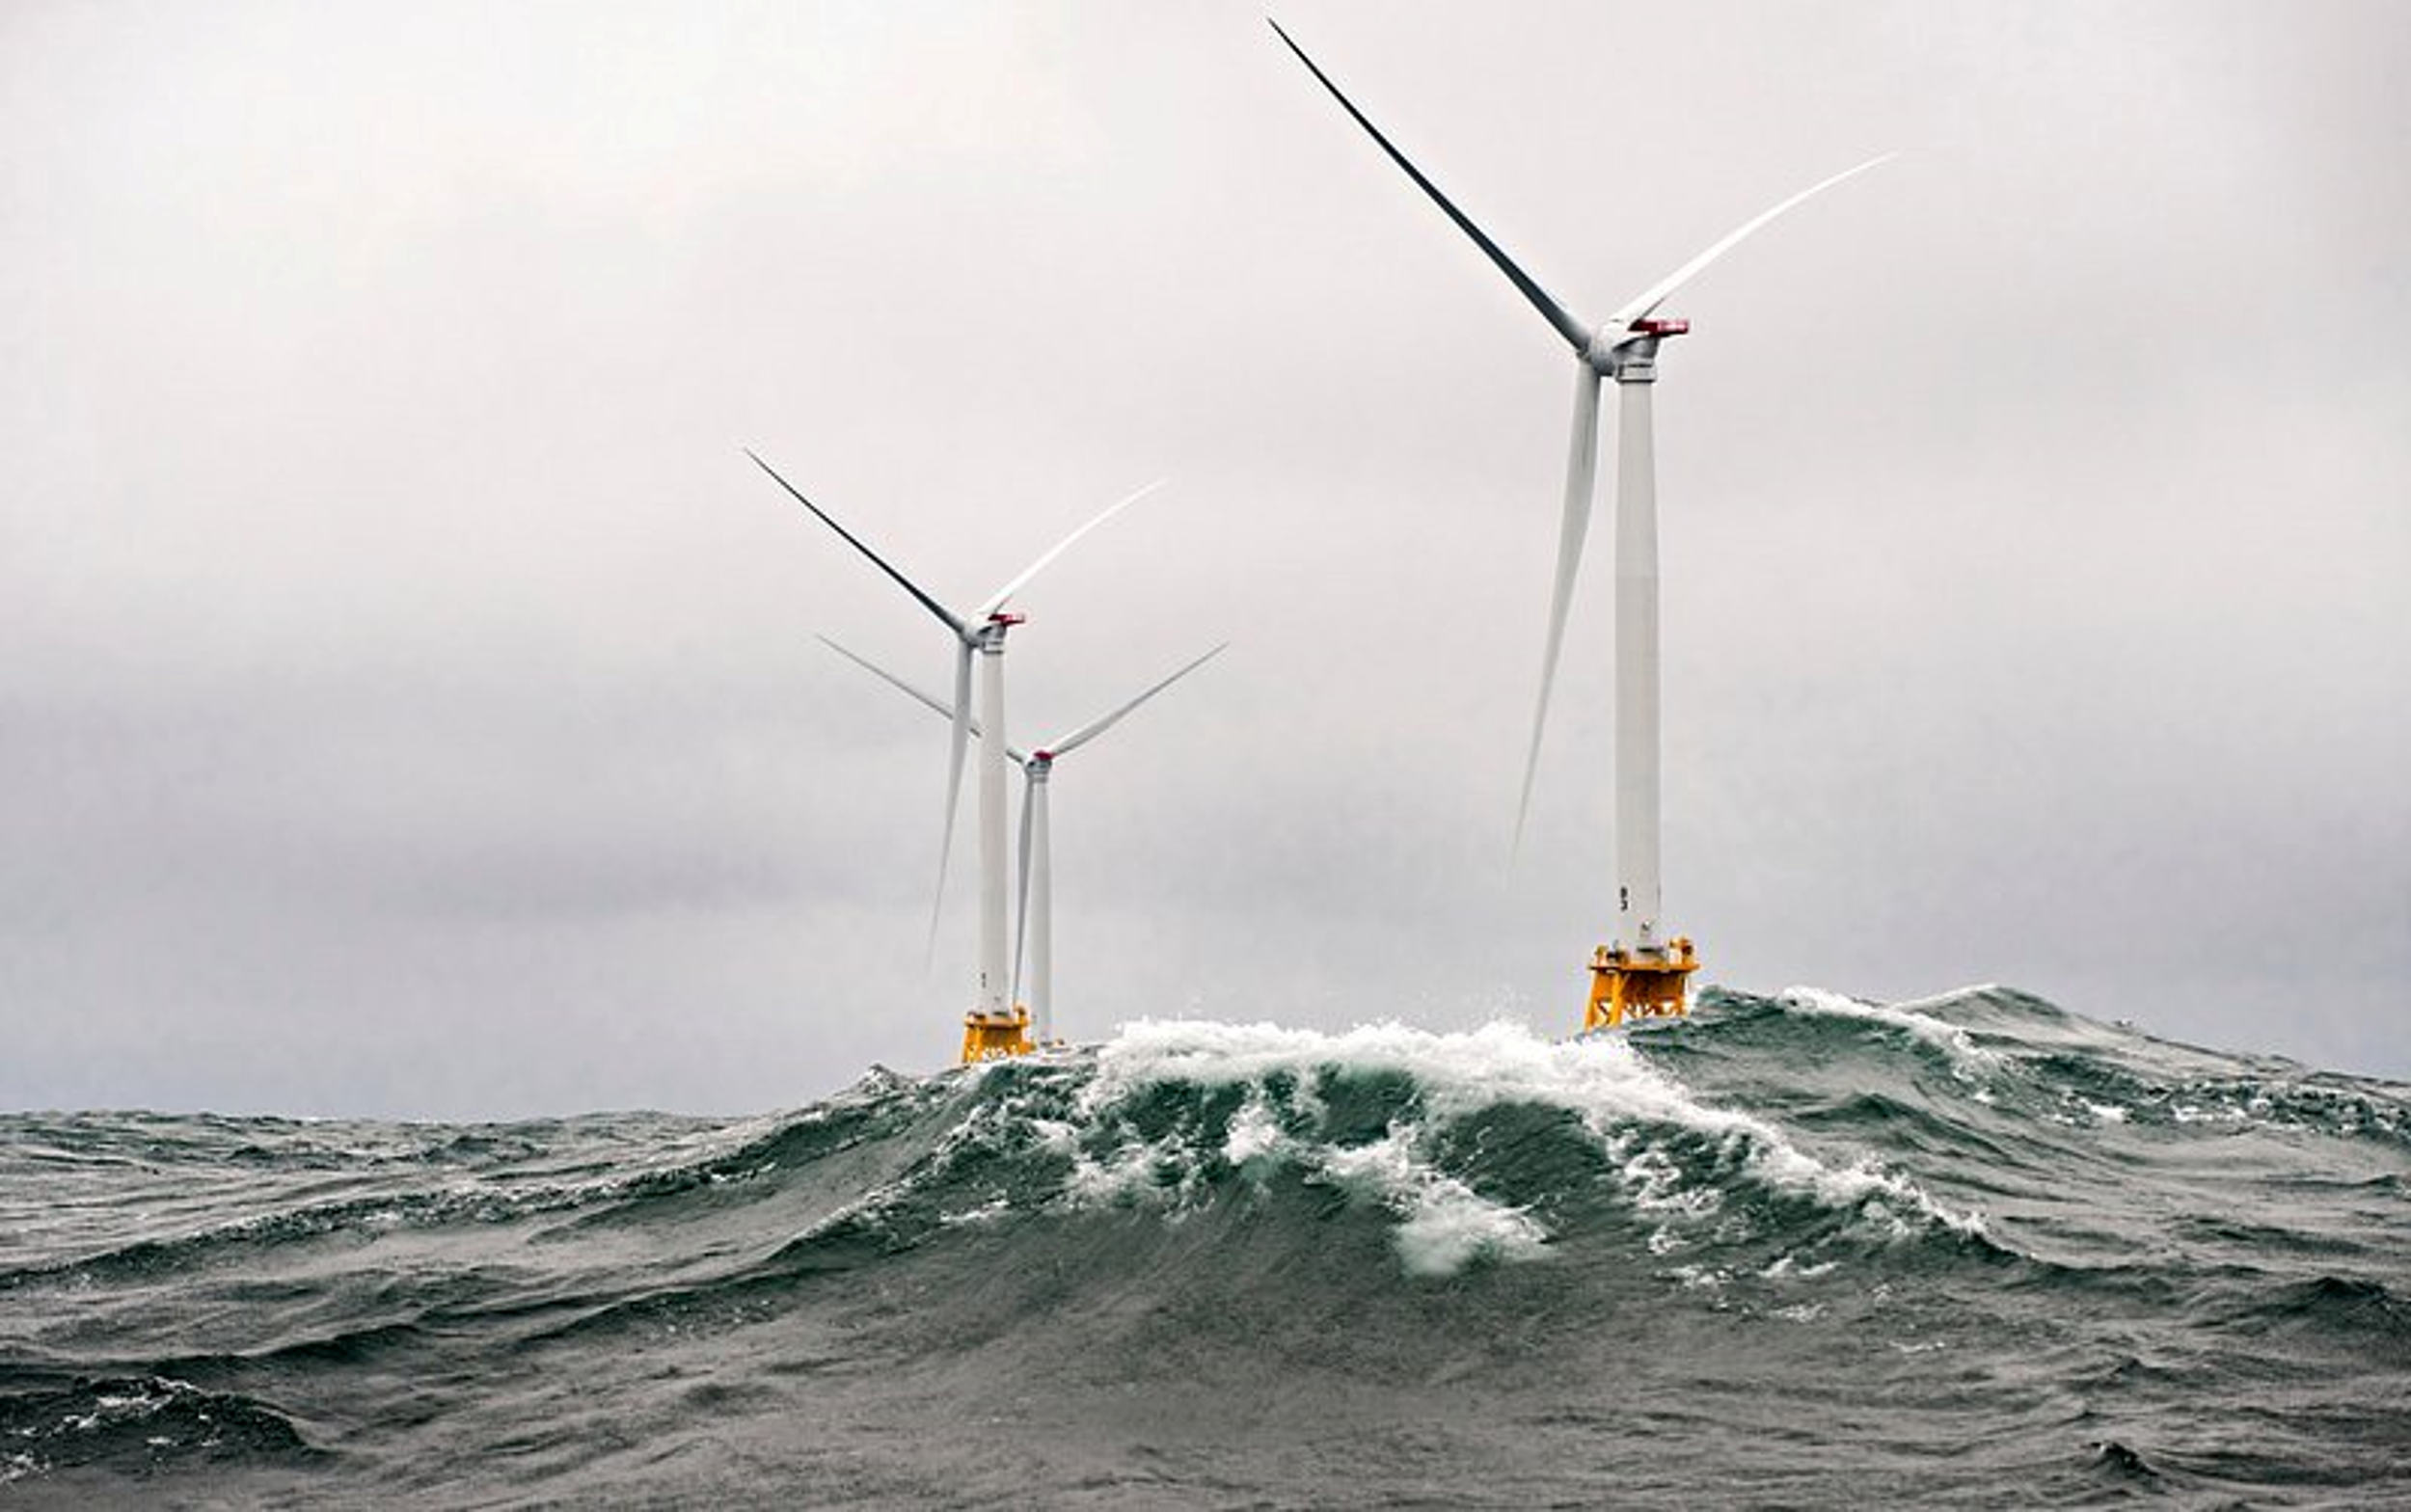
1640, 972
1036, 921
992, 1027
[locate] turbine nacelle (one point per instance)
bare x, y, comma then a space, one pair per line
1631, 352
989, 634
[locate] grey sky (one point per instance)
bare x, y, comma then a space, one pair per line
408, 701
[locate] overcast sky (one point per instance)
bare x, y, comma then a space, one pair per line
408, 698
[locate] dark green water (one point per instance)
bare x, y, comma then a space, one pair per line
1797, 1251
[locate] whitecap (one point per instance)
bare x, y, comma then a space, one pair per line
1967, 1058
1445, 1224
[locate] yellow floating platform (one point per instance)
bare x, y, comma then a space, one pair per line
993, 1036
1625, 985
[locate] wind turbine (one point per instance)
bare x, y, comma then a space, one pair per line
1639, 972
992, 1027
1036, 920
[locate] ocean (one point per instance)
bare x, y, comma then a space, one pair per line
1798, 1251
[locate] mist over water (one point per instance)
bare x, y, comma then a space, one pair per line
1804, 1250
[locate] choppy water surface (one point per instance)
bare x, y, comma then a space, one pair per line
1800, 1251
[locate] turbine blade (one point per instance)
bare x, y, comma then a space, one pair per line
936, 705
1567, 324
960, 713
996, 599
882, 563
1581, 464
1021, 909
1097, 727
1649, 299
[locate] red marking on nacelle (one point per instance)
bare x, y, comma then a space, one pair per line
1001, 617
1662, 327
1041, 755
